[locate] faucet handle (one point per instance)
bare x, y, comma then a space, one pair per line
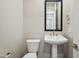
50, 34
56, 34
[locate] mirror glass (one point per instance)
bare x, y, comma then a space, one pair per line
53, 15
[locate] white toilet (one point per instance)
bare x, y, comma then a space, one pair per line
32, 45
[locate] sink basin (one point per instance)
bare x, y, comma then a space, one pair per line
59, 39
54, 41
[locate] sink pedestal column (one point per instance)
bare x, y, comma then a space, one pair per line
54, 51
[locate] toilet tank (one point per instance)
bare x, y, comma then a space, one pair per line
33, 45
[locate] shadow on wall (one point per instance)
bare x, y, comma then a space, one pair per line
46, 51
68, 50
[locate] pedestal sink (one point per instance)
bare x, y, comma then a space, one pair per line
55, 40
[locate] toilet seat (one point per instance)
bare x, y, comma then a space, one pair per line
30, 55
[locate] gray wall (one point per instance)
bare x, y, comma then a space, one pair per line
75, 26
67, 6
34, 20
11, 28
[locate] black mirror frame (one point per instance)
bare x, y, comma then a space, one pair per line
61, 15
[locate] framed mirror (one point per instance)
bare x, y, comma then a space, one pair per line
53, 15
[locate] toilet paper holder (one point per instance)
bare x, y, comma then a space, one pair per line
8, 54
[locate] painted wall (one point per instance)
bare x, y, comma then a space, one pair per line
11, 28
34, 22
67, 6
34, 25
75, 27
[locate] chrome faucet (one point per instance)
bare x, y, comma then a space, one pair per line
53, 33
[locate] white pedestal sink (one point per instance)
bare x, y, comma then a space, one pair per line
55, 40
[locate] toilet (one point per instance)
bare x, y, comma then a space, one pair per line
32, 46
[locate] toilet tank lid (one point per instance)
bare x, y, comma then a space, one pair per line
33, 40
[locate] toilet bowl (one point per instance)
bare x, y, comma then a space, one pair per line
32, 46
30, 55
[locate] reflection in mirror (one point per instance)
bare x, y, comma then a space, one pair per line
53, 13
